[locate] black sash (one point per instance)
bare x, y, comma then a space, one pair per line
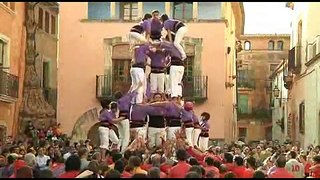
177, 26
137, 29
157, 121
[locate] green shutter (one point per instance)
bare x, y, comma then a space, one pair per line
243, 104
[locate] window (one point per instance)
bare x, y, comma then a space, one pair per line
273, 67
271, 45
45, 74
40, 18
2, 53
209, 10
148, 7
4, 60
53, 24
243, 104
188, 72
129, 10
121, 70
301, 117
183, 10
247, 45
47, 22
280, 45
242, 132
245, 79
121, 79
99, 10
243, 73
10, 5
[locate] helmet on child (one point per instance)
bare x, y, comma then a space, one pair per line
188, 106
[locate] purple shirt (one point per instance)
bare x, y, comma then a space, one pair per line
124, 102
171, 49
205, 126
170, 25
114, 114
158, 59
141, 54
156, 27
106, 116
173, 110
146, 26
139, 112
186, 116
156, 111
195, 118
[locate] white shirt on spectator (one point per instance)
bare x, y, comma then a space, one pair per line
296, 168
66, 155
42, 161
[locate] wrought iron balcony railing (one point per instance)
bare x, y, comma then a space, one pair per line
294, 63
195, 88
9, 85
246, 83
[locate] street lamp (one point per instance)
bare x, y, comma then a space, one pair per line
276, 91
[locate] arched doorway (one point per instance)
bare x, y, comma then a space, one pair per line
3, 133
93, 134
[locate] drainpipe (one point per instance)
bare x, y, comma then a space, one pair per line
237, 99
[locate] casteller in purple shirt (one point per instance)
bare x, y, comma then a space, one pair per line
156, 28
172, 110
141, 54
106, 116
143, 26
158, 59
139, 112
146, 25
171, 49
170, 25
195, 118
186, 116
156, 110
124, 102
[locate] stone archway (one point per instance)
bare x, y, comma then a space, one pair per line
83, 125
93, 135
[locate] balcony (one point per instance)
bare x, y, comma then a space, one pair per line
195, 88
9, 87
50, 95
294, 63
246, 83
262, 114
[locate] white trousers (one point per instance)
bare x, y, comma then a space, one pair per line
176, 75
137, 76
189, 133
196, 134
155, 134
157, 82
167, 84
178, 39
142, 131
134, 37
124, 134
105, 135
171, 133
203, 143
